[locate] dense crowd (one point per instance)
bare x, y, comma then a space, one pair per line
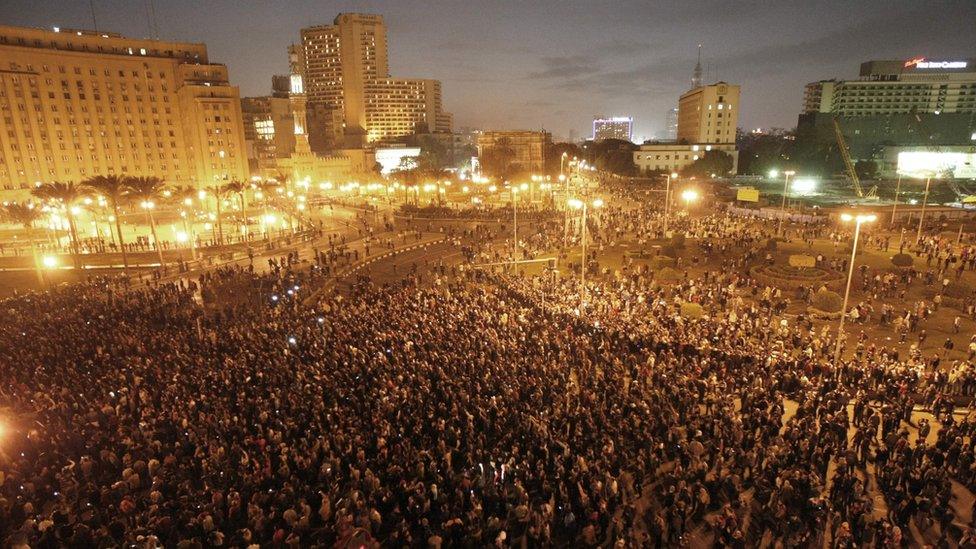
483, 409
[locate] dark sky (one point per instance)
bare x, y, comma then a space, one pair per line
555, 64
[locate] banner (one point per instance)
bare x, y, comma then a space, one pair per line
747, 194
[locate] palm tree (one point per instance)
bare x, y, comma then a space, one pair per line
183, 197
148, 191
218, 191
26, 215
113, 188
64, 194
238, 187
283, 180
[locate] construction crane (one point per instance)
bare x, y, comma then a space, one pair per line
851, 172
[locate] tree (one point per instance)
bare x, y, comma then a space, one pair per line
218, 192
611, 155
148, 191
554, 156
239, 188
26, 215
760, 153
64, 195
717, 162
113, 188
183, 197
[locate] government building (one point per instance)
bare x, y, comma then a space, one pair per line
78, 103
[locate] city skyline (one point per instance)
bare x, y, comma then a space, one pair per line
565, 72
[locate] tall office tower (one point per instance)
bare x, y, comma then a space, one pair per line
671, 124
349, 88
77, 103
268, 131
708, 114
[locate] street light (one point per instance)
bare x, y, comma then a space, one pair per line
858, 220
578, 204
689, 196
667, 201
49, 261
921, 216
786, 191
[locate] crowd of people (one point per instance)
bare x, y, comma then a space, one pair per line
480, 408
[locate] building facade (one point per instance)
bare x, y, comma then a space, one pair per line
913, 102
708, 114
674, 157
345, 67
528, 148
617, 127
75, 104
268, 131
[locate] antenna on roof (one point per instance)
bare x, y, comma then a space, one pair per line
91, 4
696, 79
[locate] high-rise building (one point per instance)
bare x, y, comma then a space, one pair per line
915, 102
708, 114
526, 148
617, 127
79, 103
671, 125
354, 99
268, 131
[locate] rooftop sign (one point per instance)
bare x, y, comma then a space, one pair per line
921, 63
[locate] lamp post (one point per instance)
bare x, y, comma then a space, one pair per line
786, 191
858, 220
894, 206
667, 202
577, 204
921, 216
515, 223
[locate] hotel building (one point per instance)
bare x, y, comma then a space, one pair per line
617, 127
75, 104
917, 102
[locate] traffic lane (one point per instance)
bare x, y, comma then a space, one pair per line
400, 266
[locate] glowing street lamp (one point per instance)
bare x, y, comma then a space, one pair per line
858, 220
786, 191
578, 204
49, 261
689, 196
667, 202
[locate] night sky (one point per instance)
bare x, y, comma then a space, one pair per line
530, 64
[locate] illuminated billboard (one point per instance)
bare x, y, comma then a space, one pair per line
398, 158
942, 164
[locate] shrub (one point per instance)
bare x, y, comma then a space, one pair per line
803, 260
959, 290
691, 310
902, 260
678, 240
661, 262
827, 301
667, 274
771, 244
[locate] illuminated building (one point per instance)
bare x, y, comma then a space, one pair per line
76, 104
346, 71
708, 114
617, 127
913, 102
671, 125
528, 148
670, 157
268, 131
